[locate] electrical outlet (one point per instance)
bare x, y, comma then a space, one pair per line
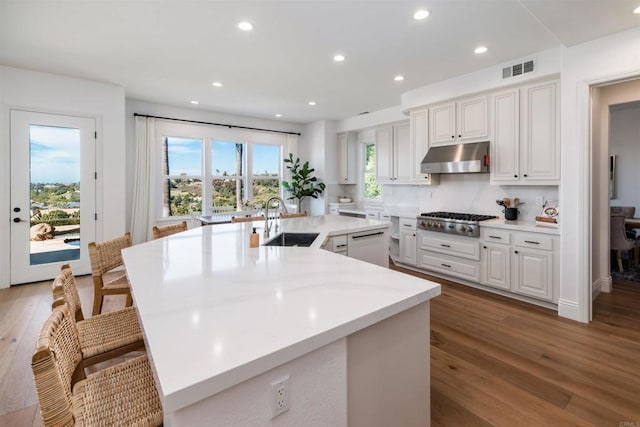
539, 201
279, 397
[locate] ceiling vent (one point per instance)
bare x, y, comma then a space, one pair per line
518, 69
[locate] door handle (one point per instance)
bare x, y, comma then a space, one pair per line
17, 220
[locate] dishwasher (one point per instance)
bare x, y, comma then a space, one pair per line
370, 246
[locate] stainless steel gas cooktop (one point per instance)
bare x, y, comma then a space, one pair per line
452, 222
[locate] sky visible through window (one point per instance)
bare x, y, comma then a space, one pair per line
185, 157
55, 154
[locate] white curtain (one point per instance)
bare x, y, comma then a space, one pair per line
143, 206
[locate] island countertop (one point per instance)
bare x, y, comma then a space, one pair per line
216, 312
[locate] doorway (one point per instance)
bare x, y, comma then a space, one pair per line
606, 185
52, 193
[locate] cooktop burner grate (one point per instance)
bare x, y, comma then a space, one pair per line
457, 216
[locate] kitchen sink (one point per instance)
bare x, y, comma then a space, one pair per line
293, 239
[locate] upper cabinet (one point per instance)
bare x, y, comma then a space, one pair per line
399, 151
465, 120
526, 145
347, 149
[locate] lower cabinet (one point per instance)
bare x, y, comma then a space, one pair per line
408, 241
494, 262
520, 262
532, 273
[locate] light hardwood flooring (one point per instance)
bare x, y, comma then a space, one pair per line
494, 361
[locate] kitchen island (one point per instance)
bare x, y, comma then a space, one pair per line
223, 322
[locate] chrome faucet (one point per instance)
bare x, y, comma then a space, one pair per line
267, 226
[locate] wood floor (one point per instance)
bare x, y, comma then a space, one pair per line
495, 361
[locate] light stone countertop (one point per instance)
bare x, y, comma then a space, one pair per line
216, 312
520, 225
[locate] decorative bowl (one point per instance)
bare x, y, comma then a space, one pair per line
344, 199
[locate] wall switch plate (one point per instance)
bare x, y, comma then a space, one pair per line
279, 397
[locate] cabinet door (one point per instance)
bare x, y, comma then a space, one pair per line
540, 156
408, 247
472, 119
505, 149
442, 124
419, 122
402, 153
384, 154
347, 158
494, 265
532, 273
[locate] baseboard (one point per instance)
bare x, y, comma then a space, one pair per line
596, 288
569, 310
606, 284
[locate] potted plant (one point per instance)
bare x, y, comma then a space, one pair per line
303, 183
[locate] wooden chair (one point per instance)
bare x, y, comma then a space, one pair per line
293, 215
105, 257
103, 336
168, 230
235, 219
619, 240
123, 394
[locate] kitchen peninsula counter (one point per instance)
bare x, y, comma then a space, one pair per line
223, 321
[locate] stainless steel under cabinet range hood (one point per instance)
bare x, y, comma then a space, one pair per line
459, 158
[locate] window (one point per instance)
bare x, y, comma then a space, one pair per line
372, 190
181, 176
266, 172
235, 173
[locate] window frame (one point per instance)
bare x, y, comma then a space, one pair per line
208, 135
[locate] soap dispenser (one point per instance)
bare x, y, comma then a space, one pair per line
254, 239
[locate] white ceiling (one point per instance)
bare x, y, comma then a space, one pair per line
171, 51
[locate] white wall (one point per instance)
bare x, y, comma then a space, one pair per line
609, 58
41, 92
142, 107
318, 145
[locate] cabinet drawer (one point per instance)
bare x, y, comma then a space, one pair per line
339, 243
407, 223
535, 241
492, 235
463, 247
372, 214
385, 217
463, 268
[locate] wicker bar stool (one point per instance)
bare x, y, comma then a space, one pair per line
105, 257
293, 215
123, 394
103, 336
168, 230
235, 219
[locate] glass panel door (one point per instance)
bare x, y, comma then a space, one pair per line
52, 194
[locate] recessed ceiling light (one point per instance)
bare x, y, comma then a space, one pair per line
398, 78
338, 58
480, 49
194, 102
278, 115
216, 84
312, 103
421, 14
637, 10
245, 26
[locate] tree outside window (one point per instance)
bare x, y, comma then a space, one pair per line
372, 190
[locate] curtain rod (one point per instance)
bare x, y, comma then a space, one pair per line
216, 124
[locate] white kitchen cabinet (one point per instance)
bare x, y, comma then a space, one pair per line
532, 273
394, 157
419, 142
520, 262
347, 148
464, 120
337, 244
526, 145
505, 148
494, 265
408, 241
